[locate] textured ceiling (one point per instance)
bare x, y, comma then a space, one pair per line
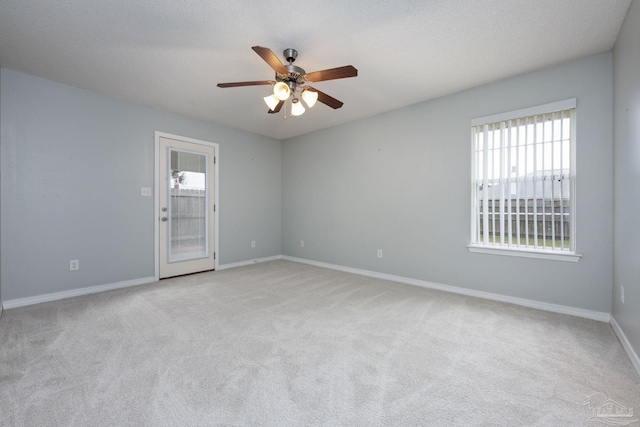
171, 54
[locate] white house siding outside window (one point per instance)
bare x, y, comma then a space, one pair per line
523, 182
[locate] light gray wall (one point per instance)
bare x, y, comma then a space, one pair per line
626, 190
400, 182
1, 306
73, 162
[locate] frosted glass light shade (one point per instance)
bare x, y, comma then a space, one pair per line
310, 97
281, 91
296, 107
271, 101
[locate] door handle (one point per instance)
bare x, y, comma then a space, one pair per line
164, 209
163, 219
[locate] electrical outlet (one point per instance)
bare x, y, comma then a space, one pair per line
622, 294
302, 243
145, 191
253, 244
379, 253
74, 265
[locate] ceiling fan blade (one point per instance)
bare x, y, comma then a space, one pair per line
332, 74
277, 109
270, 58
255, 83
326, 99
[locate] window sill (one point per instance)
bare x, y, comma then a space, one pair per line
526, 253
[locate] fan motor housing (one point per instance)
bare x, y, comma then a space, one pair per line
295, 72
295, 75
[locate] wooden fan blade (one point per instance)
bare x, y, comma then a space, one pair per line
255, 83
326, 99
270, 58
332, 74
277, 109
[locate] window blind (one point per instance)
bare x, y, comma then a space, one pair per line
524, 180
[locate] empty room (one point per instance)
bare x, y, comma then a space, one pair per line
416, 213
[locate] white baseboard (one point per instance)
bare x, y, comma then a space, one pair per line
555, 308
21, 302
249, 262
635, 360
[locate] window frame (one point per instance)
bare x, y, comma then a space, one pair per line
569, 255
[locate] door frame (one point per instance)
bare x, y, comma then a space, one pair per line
156, 196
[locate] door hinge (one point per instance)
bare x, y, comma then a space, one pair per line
214, 208
214, 255
214, 160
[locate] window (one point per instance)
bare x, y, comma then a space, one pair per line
523, 186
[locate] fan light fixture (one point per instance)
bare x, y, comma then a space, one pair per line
281, 91
271, 101
310, 97
297, 108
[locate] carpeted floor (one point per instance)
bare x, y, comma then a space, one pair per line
287, 344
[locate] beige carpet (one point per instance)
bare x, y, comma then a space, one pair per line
286, 344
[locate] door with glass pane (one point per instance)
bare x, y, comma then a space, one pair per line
186, 207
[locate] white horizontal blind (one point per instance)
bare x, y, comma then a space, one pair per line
523, 181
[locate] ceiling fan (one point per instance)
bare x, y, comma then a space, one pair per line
291, 80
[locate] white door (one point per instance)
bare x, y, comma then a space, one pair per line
186, 206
